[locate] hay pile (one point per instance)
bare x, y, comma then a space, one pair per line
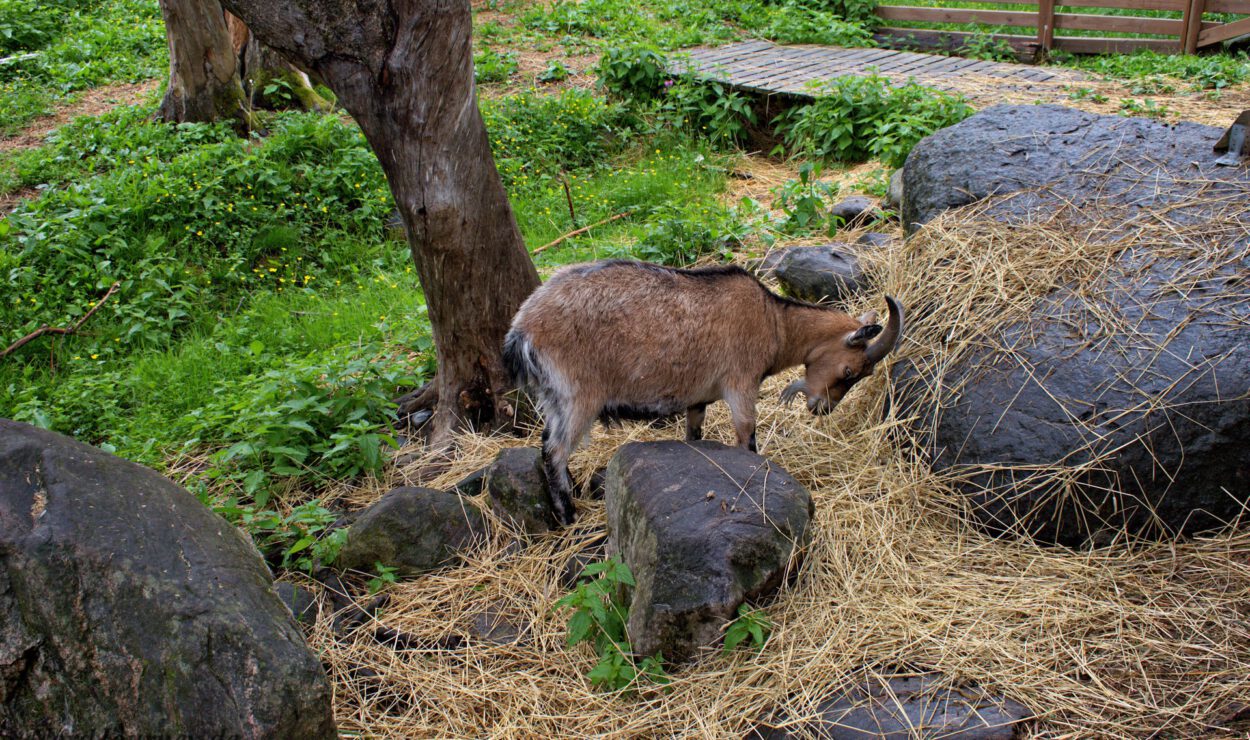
1128, 640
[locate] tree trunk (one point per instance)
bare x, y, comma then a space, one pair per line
404, 70
204, 80
269, 80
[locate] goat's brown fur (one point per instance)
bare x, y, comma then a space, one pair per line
618, 338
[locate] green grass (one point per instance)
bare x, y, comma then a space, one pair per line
76, 45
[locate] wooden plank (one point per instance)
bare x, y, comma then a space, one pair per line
1239, 7
956, 15
1119, 24
1224, 32
1046, 24
1098, 45
800, 73
1193, 24
1174, 5
927, 38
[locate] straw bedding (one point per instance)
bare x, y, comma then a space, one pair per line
1129, 640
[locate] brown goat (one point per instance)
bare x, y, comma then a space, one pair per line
620, 339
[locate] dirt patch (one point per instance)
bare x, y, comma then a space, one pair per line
9, 201
92, 103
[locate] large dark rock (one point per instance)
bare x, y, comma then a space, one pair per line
518, 492
905, 707
823, 274
128, 608
703, 527
1120, 404
414, 530
1010, 148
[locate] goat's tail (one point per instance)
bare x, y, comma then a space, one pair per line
521, 362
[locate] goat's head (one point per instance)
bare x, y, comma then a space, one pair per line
833, 366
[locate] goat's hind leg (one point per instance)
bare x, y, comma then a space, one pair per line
560, 438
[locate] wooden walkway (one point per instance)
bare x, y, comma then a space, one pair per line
764, 67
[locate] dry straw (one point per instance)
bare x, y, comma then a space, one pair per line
1130, 640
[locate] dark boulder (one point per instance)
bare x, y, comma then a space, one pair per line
1010, 148
414, 530
905, 707
128, 608
518, 491
1119, 405
703, 527
822, 274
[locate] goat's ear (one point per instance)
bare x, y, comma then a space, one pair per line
868, 318
859, 338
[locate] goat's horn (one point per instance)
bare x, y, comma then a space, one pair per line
792, 390
889, 338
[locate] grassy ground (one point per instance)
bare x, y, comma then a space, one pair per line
247, 314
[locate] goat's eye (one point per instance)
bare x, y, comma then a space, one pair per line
848, 373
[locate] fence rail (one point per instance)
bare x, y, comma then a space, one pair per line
1187, 33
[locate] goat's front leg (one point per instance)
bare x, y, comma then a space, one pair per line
694, 422
742, 409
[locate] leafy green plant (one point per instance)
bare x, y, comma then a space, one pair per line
300, 540
386, 575
600, 611
806, 202
554, 72
710, 110
680, 234
793, 23
1086, 93
752, 626
858, 118
491, 66
637, 72
988, 47
535, 136
1212, 72
313, 421
1144, 107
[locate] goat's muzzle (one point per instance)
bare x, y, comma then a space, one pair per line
815, 404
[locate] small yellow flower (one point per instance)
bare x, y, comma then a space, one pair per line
94, 356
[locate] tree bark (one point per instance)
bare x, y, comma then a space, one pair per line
404, 70
261, 67
204, 82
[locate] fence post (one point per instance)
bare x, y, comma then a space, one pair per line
1192, 25
1046, 24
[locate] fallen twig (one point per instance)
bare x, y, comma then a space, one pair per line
582, 230
45, 329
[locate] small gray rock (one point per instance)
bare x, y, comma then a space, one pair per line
301, 602
414, 530
702, 527
855, 211
493, 625
875, 239
518, 490
576, 565
473, 483
894, 192
906, 707
821, 274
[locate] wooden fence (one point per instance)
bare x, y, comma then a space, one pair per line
1189, 32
